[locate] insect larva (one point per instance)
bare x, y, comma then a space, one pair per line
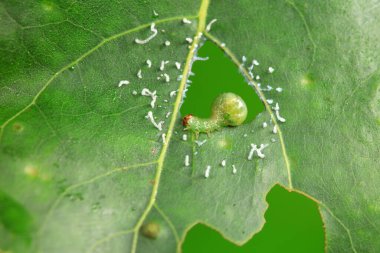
208, 27
167, 77
172, 93
200, 143
123, 82
139, 74
151, 230
234, 170
255, 62
270, 70
187, 161
265, 125
223, 163
277, 111
168, 114
162, 66
149, 63
186, 21
257, 77
178, 65
154, 30
279, 89
155, 13
167, 43
228, 109
146, 92
207, 172
275, 129
163, 136
258, 150
151, 118
270, 101
184, 137
189, 40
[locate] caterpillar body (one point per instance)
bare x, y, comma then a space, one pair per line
228, 109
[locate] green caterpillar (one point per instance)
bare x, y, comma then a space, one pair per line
228, 109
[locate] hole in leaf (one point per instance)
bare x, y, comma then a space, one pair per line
293, 225
215, 76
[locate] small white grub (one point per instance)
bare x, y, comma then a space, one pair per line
146, 92
223, 44
279, 89
258, 150
187, 160
207, 172
167, 77
154, 30
265, 125
244, 58
149, 63
197, 58
123, 82
167, 43
165, 100
257, 77
189, 40
255, 62
162, 66
273, 140
277, 111
223, 163
155, 13
186, 21
178, 65
270, 101
151, 118
168, 114
184, 137
234, 170
208, 27
270, 70
139, 74
163, 136
134, 92
172, 93
275, 129
200, 143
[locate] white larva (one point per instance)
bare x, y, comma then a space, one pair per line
167, 43
146, 92
186, 21
223, 163
184, 137
149, 63
208, 27
275, 129
189, 40
168, 114
257, 77
255, 62
134, 93
172, 93
197, 58
123, 82
151, 118
223, 44
163, 138
187, 161
279, 89
139, 74
167, 77
207, 172
277, 111
270, 101
258, 151
200, 143
154, 30
244, 58
234, 170
162, 66
178, 65
155, 13
265, 125
270, 70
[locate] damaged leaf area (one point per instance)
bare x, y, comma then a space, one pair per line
93, 154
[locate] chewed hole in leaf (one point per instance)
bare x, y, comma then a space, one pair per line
214, 76
293, 224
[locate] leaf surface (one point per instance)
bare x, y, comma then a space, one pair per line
85, 169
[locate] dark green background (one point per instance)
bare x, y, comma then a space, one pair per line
293, 220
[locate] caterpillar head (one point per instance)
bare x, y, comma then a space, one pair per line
186, 119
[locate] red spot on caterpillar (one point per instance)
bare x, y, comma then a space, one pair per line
185, 121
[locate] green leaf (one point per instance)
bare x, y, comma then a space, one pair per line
84, 169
